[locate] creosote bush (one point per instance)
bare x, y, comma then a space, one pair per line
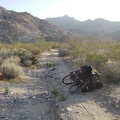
96, 53
110, 73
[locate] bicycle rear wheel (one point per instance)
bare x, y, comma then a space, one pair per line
67, 80
74, 88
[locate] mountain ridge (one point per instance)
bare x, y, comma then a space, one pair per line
23, 27
98, 27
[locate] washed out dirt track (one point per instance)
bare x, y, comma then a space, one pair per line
33, 100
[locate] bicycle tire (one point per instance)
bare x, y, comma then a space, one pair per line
74, 88
67, 77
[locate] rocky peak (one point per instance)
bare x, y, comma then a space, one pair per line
23, 27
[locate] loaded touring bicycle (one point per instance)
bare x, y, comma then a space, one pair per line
83, 79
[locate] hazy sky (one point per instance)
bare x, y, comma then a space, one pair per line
79, 9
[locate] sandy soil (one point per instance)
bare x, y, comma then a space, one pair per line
33, 99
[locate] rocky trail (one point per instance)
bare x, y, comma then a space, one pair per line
44, 97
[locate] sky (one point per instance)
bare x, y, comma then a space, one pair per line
79, 9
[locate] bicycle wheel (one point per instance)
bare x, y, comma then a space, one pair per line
74, 88
67, 80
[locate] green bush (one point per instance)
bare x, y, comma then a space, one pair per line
110, 73
27, 58
62, 97
55, 91
10, 70
34, 60
50, 64
96, 60
97, 53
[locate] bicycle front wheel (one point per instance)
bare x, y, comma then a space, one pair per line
67, 80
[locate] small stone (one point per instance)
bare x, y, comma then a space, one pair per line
34, 97
69, 109
43, 113
39, 118
77, 112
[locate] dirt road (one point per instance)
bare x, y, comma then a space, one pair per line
34, 99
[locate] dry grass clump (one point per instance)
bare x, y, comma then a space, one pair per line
10, 70
12, 59
35, 50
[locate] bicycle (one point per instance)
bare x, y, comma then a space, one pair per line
78, 84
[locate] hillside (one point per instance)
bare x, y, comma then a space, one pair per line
99, 27
23, 27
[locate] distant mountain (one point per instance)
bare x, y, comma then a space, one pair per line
99, 27
65, 22
23, 27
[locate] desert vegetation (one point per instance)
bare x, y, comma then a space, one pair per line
15, 56
102, 55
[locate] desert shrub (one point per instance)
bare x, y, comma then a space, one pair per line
63, 52
110, 72
33, 59
28, 58
114, 51
54, 45
97, 53
10, 70
94, 52
96, 60
35, 50
62, 97
27, 63
6, 53
1, 60
55, 91
22, 52
44, 45
50, 64
7, 90
24, 48
12, 59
